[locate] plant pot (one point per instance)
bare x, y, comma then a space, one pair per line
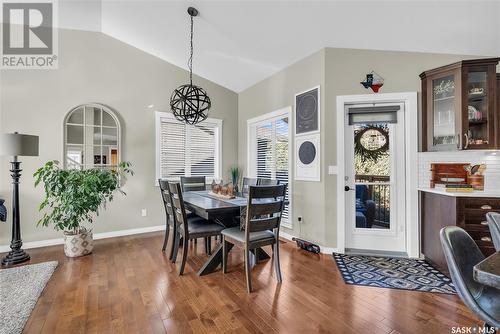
80, 244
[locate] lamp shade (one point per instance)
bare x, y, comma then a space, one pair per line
16, 144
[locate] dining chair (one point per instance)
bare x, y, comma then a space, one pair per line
267, 182
169, 215
247, 182
462, 254
493, 220
193, 183
263, 218
189, 228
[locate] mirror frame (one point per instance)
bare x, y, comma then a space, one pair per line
103, 108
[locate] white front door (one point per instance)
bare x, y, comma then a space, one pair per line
374, 177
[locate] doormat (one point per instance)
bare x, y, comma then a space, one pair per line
392, 273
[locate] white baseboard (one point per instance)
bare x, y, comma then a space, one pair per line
121, 233
97, 236
323, 249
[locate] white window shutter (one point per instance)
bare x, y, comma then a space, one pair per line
270, 159
188, 150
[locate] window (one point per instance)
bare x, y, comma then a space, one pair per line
269, 151
187, 150
91, 137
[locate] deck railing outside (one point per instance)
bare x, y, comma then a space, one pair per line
379, 193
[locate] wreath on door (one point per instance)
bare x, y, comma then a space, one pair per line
371, 142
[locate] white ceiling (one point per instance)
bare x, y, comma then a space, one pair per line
238, 43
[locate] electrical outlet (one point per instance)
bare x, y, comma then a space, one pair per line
144, 212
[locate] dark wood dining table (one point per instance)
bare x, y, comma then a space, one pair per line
223, 212
487, 272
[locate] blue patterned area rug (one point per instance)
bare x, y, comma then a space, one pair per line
393, 273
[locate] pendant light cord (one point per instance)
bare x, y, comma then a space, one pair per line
190, 61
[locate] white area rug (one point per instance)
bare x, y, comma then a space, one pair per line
20, 288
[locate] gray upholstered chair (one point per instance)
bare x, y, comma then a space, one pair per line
193, 183
191, 227
169, 215
462, 254
262, 225
493, 219
3, 211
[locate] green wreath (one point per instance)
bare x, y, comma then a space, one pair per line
367, 153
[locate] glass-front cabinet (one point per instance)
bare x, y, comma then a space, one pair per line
459, 108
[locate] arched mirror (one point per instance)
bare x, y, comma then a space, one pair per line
91, 137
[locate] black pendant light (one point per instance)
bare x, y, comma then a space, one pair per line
189, 103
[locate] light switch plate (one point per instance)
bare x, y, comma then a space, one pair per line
332, 170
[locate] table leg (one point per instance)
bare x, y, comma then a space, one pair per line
214, 261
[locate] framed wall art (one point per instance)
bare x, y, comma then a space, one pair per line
307, 111
307, 158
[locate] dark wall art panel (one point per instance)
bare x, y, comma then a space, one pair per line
307, 112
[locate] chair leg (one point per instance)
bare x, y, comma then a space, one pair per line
165, 240
174, 237
248, 270
209, 246
224, 255
175, 247
184, 256
277, 267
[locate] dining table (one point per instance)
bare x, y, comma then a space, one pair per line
487, 272
223, 211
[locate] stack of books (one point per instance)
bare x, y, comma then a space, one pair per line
456, 188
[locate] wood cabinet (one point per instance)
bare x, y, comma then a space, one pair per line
469, 213
459, 106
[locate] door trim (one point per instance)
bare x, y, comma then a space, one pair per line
409, 99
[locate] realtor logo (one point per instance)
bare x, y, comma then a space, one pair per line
29, 40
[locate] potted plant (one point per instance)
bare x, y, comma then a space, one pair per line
235, 176
73, 197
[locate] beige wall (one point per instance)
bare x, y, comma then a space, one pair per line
96, 68
274, 93
339, 72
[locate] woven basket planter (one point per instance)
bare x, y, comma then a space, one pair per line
80, 244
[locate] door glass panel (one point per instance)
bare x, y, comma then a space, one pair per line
372, 166
444, 111
477, 108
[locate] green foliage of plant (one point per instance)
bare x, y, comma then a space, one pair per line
235, 174
72, 196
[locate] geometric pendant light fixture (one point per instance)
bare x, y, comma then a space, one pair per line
190, 104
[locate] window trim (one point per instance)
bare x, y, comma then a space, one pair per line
218, 139
252, 124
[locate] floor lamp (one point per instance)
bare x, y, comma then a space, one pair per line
16, 144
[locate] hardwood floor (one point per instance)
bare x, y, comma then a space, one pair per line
128, 286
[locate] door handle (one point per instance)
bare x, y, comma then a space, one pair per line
459, 144
466, 141
347, 188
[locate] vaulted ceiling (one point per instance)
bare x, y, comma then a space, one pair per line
239, 43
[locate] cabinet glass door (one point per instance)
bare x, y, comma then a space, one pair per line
444, 113
478, 133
